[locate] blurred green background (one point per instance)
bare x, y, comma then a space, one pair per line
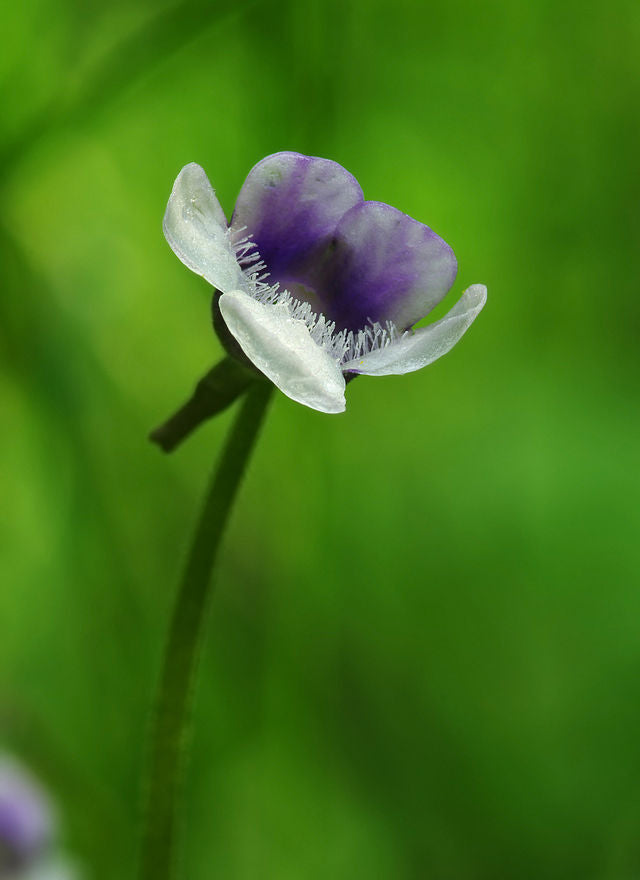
424, 654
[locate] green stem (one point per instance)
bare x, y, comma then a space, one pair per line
169, 734
217, 390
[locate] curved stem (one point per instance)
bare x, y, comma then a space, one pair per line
169, 733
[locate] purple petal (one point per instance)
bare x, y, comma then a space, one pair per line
355, 261
291, 205
386, 266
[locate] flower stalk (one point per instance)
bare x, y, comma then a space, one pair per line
174, 701
214, 392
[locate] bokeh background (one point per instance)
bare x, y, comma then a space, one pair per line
424, 654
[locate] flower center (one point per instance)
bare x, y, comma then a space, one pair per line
302, 293
305, 305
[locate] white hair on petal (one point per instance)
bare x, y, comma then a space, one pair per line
342, 345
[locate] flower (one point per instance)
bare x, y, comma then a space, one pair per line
27, 823
315, 282
28, 829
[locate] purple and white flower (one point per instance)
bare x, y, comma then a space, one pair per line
28, 828
27, 823
316, 283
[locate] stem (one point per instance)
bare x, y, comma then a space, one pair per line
214, 392
174, 701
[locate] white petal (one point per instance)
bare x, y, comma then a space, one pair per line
52, 869
416, 350
196, 229
281, 347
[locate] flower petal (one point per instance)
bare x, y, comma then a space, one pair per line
386, 267
281, 347
416, 350
196, 229
291, 205
53, 869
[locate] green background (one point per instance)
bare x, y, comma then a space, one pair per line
424, 654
